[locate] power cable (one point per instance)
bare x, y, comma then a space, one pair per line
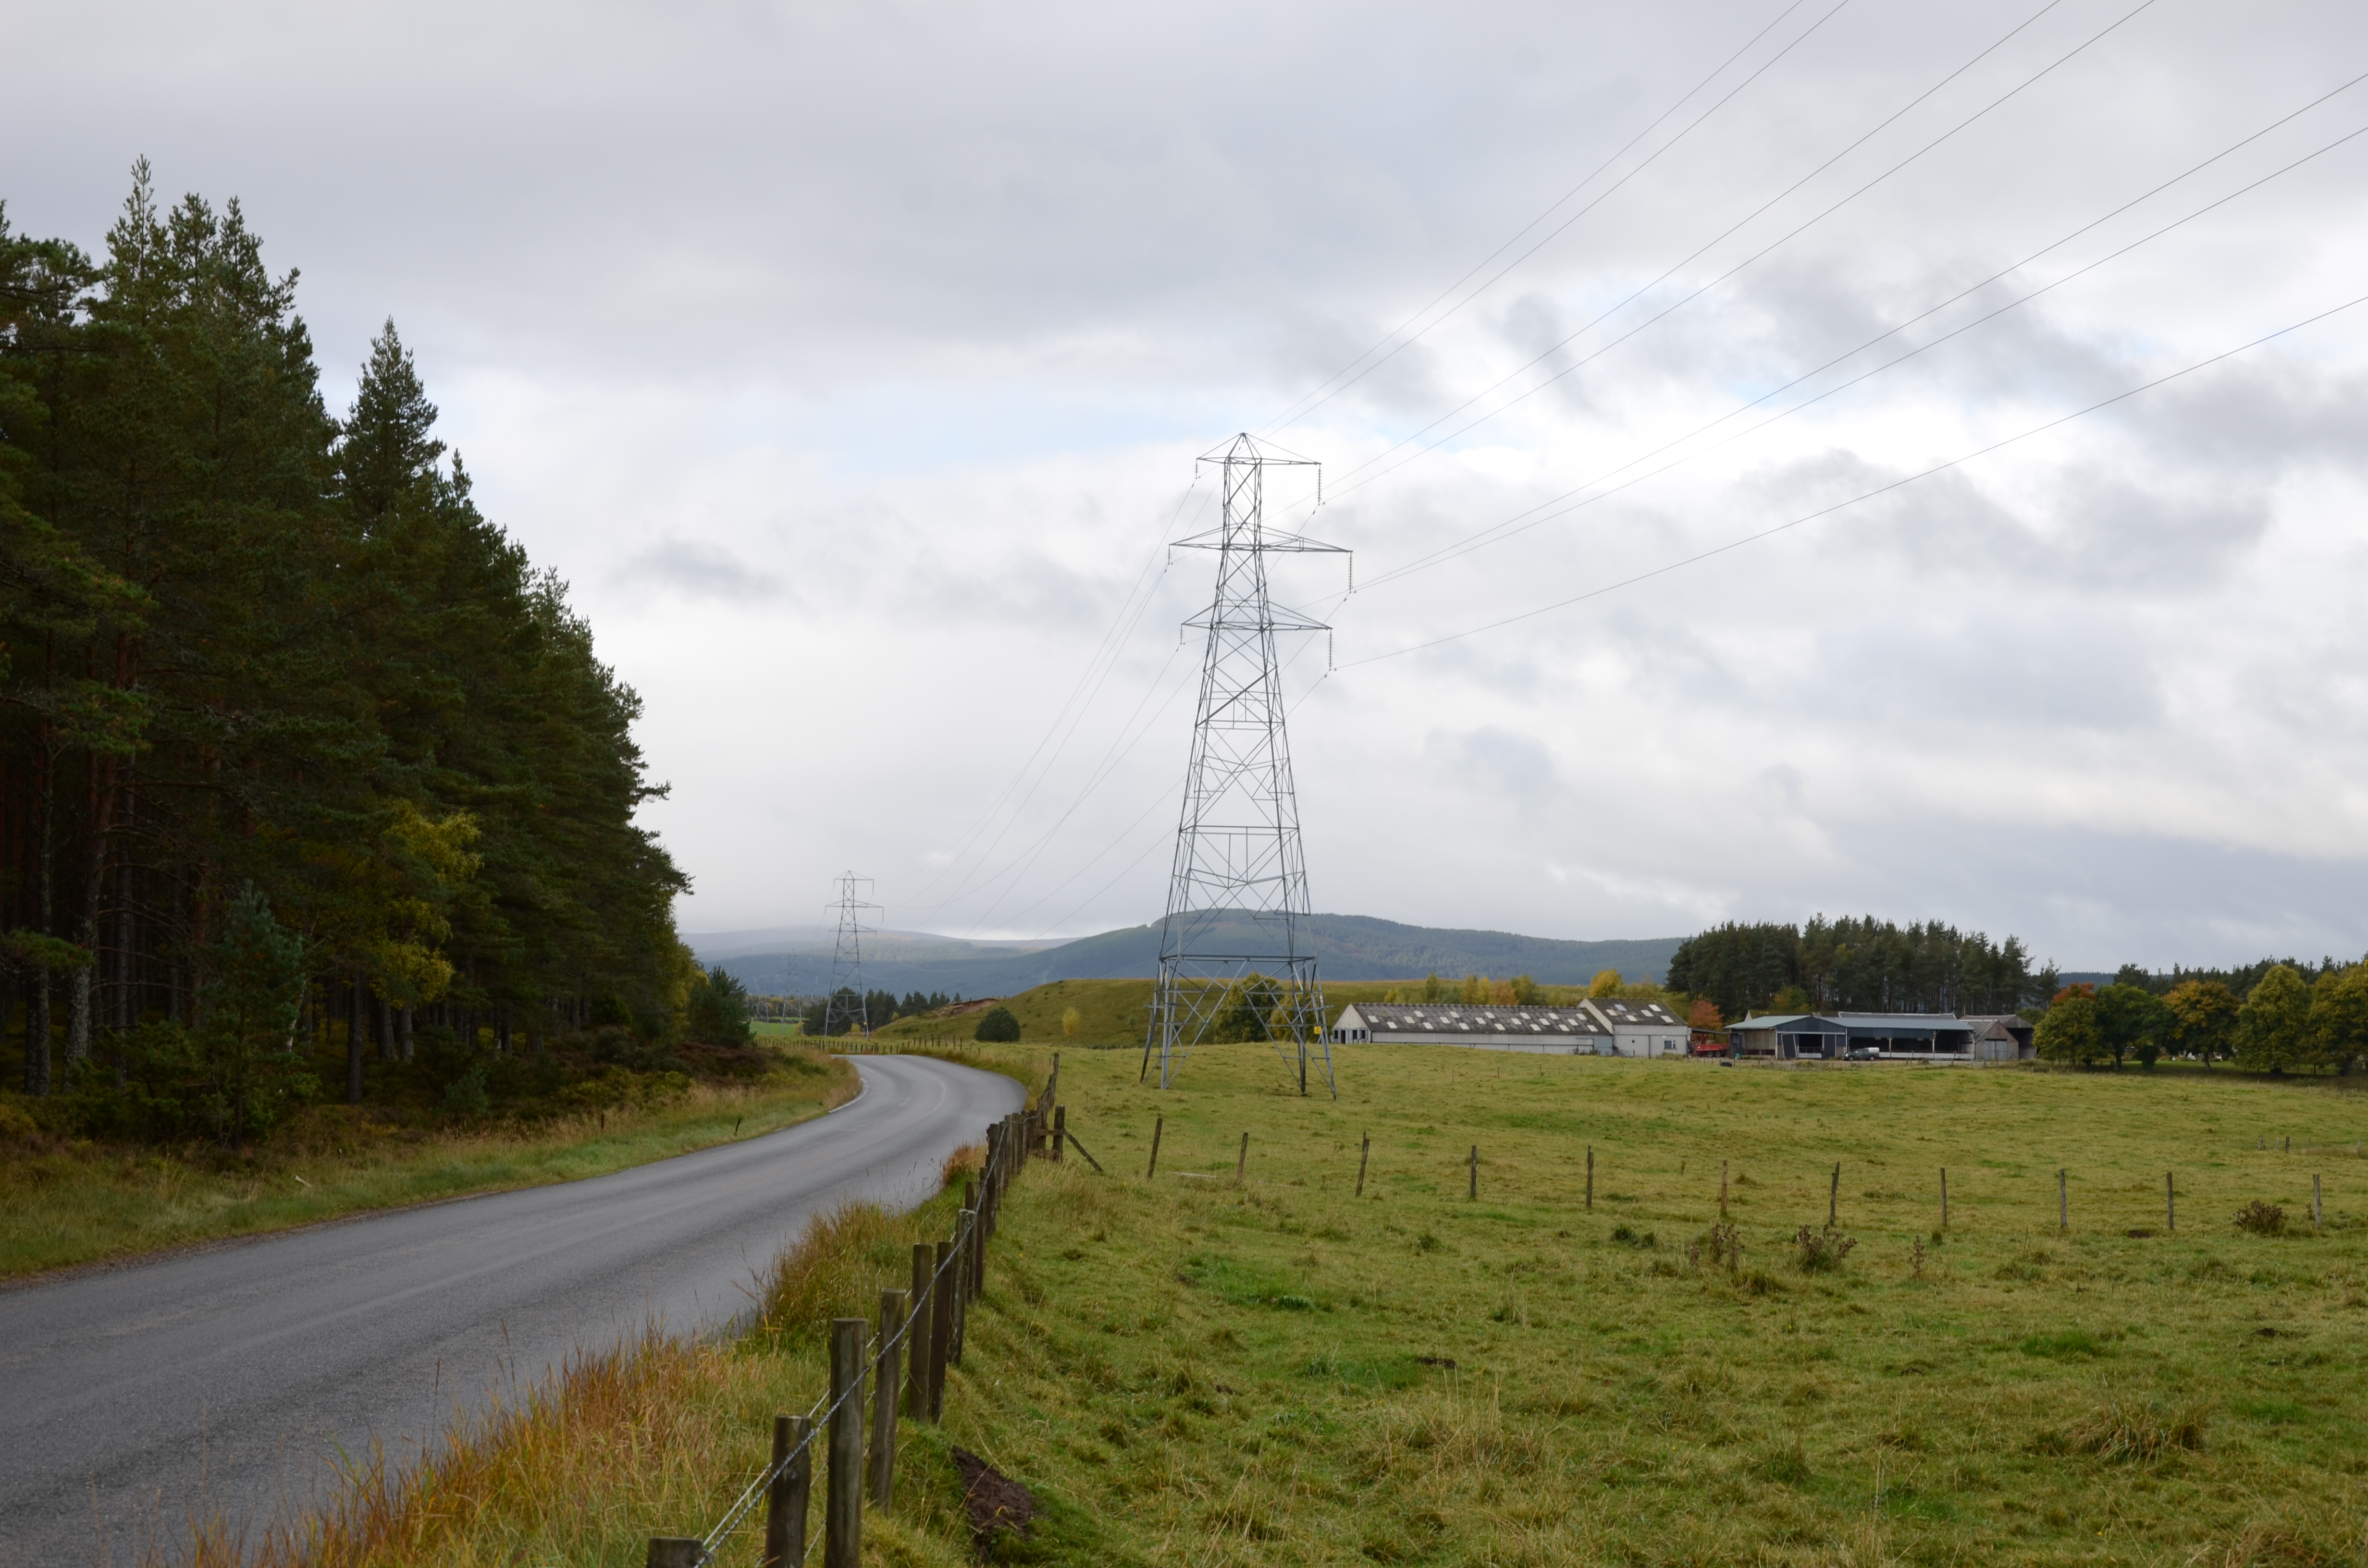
1686, 299
1294, 414
1130, 614
1958, 461
1521, 522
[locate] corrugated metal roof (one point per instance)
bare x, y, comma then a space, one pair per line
1620, 1011
1900, 1024
1792, 1021
1456, 1018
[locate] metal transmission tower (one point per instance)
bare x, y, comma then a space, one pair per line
1237, 900
847, 960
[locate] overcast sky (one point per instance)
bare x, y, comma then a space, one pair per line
851, 363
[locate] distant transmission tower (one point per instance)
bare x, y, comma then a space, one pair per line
847, 960
1237, 900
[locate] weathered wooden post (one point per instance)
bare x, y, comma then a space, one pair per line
1722, 1190
1590, 1175
676, 1552
785, 1500
1060, 1130
916, 1384
1242, 1160
1474, 1192
941, 1327
1364, 1152
1158, 1125
966, 1265
842, 1543
1834, 1195
893, 1310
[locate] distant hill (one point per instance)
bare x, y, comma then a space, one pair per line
1348, 947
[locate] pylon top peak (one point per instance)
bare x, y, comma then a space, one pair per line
1246, 447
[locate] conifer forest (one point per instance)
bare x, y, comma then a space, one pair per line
298, 741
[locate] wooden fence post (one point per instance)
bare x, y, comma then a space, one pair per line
1158, 1125
977, 1285
1242, 1161
1474, 1192
1722, 1190
842, 1543
1834, 1195
965, 1267
676, 1552
917, 1383
2063, 1204
1364, 1152
1060, 1130
884, 1390
1590, 1175
941, 1327
785, 1500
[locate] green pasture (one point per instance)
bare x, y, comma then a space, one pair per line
1195, 1370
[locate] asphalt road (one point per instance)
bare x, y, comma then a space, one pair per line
220, 1384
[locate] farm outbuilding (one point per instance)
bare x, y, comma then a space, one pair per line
1789, 1036
1562, 1032
1640, 1028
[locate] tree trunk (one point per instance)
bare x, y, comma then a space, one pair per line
407, 1034
36, 1034
355, 1030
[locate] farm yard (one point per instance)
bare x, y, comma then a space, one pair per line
1193, 1371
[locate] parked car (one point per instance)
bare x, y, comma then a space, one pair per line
1865, 1053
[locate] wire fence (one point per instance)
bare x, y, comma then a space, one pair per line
927, 1321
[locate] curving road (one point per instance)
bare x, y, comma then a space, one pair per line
222, 1382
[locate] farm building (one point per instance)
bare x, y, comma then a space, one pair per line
1901, 1037
1564, 1031
1788, 1037
2003, 1037
1640, 1028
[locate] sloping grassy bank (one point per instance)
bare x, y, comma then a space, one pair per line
68, 1201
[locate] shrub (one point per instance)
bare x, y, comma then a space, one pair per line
1818, 1252
2261, 1219
999, 1025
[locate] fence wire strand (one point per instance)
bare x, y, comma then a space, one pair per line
818, 1418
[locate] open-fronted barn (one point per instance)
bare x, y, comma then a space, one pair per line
1557, 1030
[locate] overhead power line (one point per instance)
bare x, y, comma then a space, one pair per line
1958, 461
1764, 251
1327, 391
1571, 500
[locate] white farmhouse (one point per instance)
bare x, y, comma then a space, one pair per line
1640, 1028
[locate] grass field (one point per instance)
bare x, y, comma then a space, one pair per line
1282, 1373
67, 1201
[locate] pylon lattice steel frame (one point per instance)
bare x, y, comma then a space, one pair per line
1238, 901
847, 960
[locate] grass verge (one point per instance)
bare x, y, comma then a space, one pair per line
70, 1201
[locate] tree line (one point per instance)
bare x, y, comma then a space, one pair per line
2285, 1021
1860, 965
278, 699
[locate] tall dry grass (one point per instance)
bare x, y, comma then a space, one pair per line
652, 1437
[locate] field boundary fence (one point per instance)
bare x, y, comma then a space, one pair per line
902, 1362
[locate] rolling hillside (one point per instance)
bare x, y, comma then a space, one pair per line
1348, 948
